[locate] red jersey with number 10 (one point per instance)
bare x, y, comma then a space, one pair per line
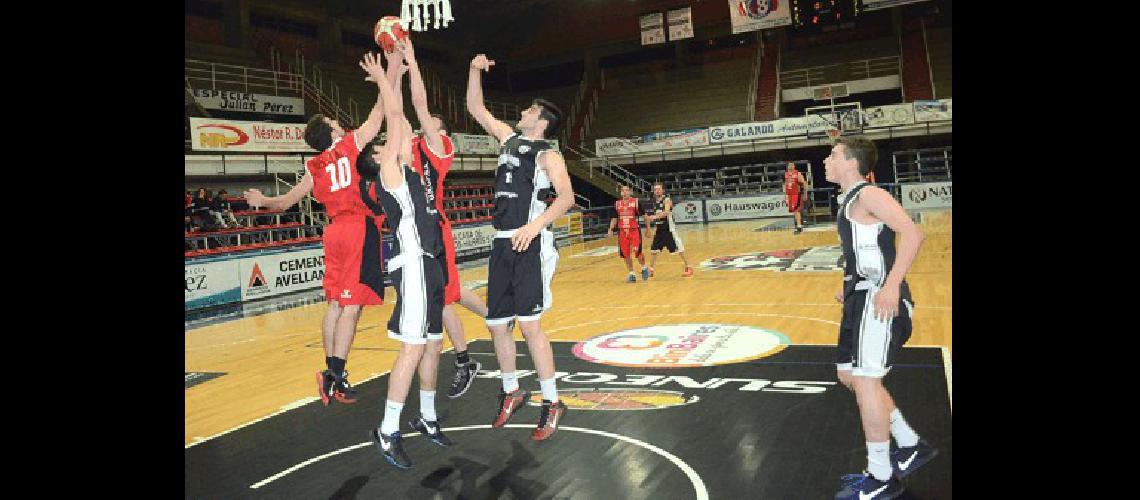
336, 184
627, 211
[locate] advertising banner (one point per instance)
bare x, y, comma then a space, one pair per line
211, 134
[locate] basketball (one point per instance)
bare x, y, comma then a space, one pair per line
387, 31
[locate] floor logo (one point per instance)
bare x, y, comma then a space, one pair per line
828, 258
681, 346
195, 378
618, 399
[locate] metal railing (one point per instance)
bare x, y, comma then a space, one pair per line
754, 85
613, 171
215, 76
840, 72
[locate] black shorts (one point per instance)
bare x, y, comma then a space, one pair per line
867, 346
518, 284
663, 238
419, 283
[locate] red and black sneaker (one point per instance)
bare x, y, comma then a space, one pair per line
548, 420
325, 381
343, 391
509, 403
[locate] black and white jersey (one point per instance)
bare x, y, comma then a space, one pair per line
665, 223
521, 187
868, 249
416, 229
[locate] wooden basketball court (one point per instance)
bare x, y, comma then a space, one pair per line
268, 361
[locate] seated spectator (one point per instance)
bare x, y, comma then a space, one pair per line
200, 211
221, 211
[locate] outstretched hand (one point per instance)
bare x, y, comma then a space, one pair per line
371, 65
480, 62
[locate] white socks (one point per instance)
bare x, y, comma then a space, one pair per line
879, 459
510, 382
391, 422
427, 405
904, 435
549, 390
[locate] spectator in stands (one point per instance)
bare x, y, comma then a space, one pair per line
200, 211
221, 211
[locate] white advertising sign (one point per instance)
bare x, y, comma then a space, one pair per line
226, 100
211, 283
752, 15
656, 141
211, 134
784, 127
750, 207
680, 23
652, 28
689, 211
930, 111
473, 239
887, 116
927, 195
275, 274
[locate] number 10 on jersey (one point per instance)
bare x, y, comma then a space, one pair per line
342, 171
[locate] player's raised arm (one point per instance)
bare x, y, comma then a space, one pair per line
371, 126
419, 97
390, 173
475, 104
282, 202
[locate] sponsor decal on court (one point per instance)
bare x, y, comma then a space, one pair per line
598, 252
195, 378
681, 346
824, 258
627, 381
617, 399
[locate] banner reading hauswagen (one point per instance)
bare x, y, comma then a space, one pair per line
749, 207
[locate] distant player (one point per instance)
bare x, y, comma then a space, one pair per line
523, 256
353, 263
794, 185
665, 230
629, 233
877, 309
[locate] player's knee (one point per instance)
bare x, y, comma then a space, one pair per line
866, 385
845, 378
530, 328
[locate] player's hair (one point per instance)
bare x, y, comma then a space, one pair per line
662, 184
551, 113
366, 166
443, 123
862, 150
318, 133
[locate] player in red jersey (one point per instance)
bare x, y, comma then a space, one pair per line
629, 233
793, 185
354, 276
433, 149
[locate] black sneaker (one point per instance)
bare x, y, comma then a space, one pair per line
464, 376
325, 381
799, 230
392, 447
343, 391
865, 487
430, 429
905, 461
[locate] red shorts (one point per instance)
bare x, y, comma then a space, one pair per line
629, 240
345, 240
793, 203
451, 291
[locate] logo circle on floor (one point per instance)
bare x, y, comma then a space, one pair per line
681, 346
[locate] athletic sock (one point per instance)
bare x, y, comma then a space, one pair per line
879, 460
461, 358
904, 435
510, 382
391, 422
549, 390
328, 363
336, 366
427, 405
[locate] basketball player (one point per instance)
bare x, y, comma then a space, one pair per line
665, 230
793, 185
434, 150
353, 263
629, 233
519, 272
876, 322
417, 275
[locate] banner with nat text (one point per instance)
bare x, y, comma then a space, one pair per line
652, 28
651, 142
680, 23
212, 134
932, 111
227, 100
927, 195
752, 15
